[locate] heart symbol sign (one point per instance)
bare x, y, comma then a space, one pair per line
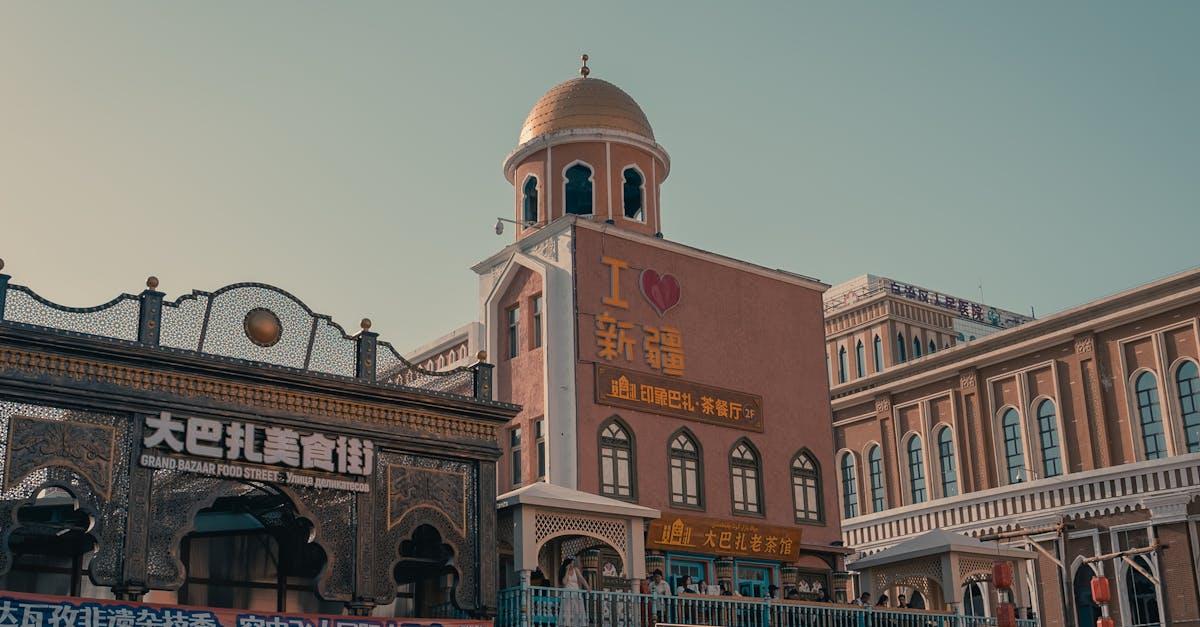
662, 291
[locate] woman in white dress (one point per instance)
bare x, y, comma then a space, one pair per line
571, 609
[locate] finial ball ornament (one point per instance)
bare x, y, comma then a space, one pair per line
365, 324
151, 282
481, 355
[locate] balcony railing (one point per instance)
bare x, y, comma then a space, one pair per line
532, 606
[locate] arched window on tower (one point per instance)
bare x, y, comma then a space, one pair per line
806, 488
860, 360
901, 350
878, 354
529, 201
1187, 379
932, 347
842, 365
578, 190
1154, 443
1048, 434
916, 347
616, 461
634, 195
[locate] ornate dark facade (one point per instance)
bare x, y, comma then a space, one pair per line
154, 415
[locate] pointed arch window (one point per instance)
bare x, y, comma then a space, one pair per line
747, 486
806, 488
578, 190
686, 471
945, 442
1187, 380
875, 471
878, 354
1142, 595
842, 365
1014, 452
916, 347
849, 487
616, 461
916, 469
529, 200
1154, 442
860, 360
932, 347
1048, 436
901, 350
634, 195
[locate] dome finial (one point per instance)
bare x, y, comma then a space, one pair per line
584, 71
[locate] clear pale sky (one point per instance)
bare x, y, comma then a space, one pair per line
350, 152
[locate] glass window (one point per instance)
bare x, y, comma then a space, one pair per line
537, 321
678, 568
878, 354
916, 347
860, 360
685, 471
945, 440
514, 443
842, 365
1142, 595
916, 470
1187, 379
579, 190
753, 581
539, 431
973, 603
634, 193
849, 488
1153, 440
529, 201
743, 465
1014, 452
511, 316
875, 469
1048, 435
616, 461
806, 488
932, 346
901, 351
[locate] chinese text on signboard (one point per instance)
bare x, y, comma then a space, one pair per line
719, 536
661, 346
681, 399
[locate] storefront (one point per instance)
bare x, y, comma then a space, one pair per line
234, 449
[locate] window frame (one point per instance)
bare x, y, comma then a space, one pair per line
1038, 404
512, 330
630, 446
591, 179
760, 502
874, 447
814, 474
539, 435
1003, 450
920, 464
537, 306
845, 485
842, 374
860, 358
642, 188
1138, 410
1193, 397
944, 450
878, 354
515, 441
903, 355
672, 455
537, 199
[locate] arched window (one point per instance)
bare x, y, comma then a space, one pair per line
806, 487
916, 469
1187, 379
849, 489
685, 471
878, 354
875, 471
1048, 434
945, 442
932, 347
1142, 595
860, 360
616, 461
1086, 609
842, 365
1014, 452
1153, 440
916, 347
578, 190
743, 466
634, 194
901, 350
529, 200
973, 600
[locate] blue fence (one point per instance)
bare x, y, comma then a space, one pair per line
533, 606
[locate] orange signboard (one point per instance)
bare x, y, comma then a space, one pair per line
681, 399
724, 537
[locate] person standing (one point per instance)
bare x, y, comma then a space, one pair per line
571, 610
659, 589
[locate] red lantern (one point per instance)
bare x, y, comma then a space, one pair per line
1006, 615
1100, 592
1105, 621
1002, 575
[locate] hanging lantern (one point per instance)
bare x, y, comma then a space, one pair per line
1105, 621
1002, 575
1006, 615
1100, 591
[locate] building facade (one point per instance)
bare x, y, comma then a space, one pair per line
234, 450
1076, 437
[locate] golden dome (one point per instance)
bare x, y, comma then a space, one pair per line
585, 103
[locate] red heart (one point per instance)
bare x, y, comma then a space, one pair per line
661, 290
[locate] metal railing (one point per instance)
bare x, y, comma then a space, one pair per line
534, 606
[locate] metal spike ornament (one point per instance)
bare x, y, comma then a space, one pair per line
585, 70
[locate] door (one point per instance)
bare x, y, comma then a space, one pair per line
753, 581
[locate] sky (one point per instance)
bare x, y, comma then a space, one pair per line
350, 152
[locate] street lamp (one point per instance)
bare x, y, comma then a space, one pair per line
500, 224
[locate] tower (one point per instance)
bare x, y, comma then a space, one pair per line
587, 149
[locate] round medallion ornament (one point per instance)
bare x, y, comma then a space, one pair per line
263, 327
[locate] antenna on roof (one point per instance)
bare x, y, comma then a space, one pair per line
1031, 314
981, 298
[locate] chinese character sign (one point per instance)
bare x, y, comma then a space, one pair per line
678, 398
724, 537
657, 346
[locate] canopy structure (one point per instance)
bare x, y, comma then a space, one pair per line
938, 564
544, 514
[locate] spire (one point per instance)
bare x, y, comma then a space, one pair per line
585, 70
